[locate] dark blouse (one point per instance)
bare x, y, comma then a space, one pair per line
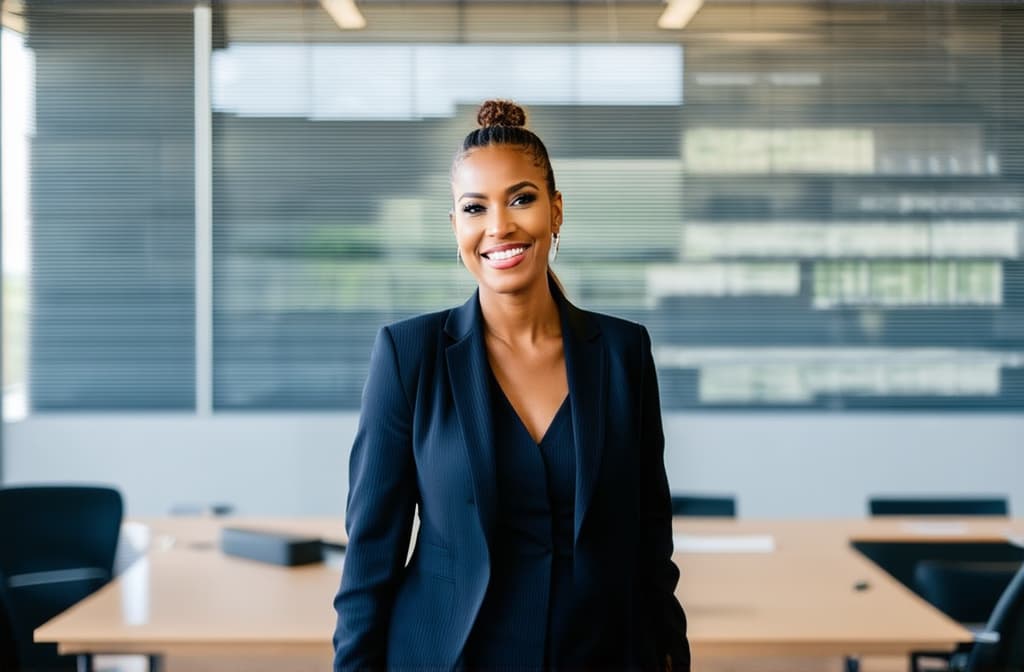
530, 605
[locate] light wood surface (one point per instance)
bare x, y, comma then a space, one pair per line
187, 598
801, 598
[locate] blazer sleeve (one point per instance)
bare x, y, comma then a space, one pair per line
381, 501
655, 516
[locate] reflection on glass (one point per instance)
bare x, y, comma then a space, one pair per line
879, 149
343, 81
789, 383
939, 239
915, 202
711, 279
752, 78
798, 375
710, 150
858, 184
934, 283
797, 196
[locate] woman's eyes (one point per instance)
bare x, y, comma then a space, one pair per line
521, 199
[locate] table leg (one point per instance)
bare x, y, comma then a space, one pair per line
851, 664
156, 664
83, 662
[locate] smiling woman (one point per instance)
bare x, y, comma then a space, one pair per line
501, 216
505, 225
526, 433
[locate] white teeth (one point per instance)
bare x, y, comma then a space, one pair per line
506, 254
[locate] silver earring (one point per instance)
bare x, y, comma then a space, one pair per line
553, 252
458, 256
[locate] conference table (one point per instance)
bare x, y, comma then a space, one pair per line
750, 588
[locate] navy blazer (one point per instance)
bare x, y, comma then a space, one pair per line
424, 440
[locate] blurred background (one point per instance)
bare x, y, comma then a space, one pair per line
815, 207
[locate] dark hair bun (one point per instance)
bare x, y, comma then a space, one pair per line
500, 113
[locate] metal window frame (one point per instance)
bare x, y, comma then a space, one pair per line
203, 138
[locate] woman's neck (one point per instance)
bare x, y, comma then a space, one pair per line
523, 318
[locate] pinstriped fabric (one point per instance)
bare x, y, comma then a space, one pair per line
379, 536
425, 438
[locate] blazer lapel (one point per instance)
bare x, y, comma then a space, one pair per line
467, 372
586, 371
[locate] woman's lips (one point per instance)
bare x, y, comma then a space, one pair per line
506, 258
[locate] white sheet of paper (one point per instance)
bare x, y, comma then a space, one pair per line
723, 543
937, 527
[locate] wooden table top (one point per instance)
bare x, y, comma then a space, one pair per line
802, 598
186, 596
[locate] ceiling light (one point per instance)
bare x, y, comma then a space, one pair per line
678, 13
345, 14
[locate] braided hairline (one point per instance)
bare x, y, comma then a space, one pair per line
515, 136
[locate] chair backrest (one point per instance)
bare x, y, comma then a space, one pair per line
966, 591
1002, 649
695, 505
951, 506
8, 645
57, 546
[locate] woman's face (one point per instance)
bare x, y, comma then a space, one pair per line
503, 217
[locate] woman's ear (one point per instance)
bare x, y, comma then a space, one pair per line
556, 212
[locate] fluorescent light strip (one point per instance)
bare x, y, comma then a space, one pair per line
678, 14
345, 14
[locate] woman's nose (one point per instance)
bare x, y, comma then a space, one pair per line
500, 222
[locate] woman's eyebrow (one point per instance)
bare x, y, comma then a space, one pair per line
515, 187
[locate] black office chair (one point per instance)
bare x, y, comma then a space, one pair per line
926, 506
997, 648
57, 546
693, 505
965, 591
8, 661
942, 583
1002, 645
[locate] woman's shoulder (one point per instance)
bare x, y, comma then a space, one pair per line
414, 342
424, 323
413, 335
626, 341
615, 328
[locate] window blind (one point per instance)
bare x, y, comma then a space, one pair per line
810, 205
111, 192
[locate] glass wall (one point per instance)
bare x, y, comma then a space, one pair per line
811, 205
99, 285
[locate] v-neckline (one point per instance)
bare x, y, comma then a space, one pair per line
519, 420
